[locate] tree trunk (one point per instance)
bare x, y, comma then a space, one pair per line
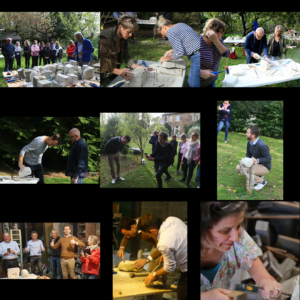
249, 177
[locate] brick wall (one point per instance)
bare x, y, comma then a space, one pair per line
163, 209
184, 119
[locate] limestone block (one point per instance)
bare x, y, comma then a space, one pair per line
48, 67
179, 64
84, 67
128, 266
264, 65
34, 73
69, 69
236, 71
79, 69
247, 162
88, 73
43, 69
73, 63
27, 75
47, 73
62, 80
24, 273
21, 73
231, 80
72, 78
36, 67
55, 84
53, 68
44, 83
139, 78
36, 79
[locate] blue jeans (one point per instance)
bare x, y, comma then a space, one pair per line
212, 85
71, 58
8, 64
37, 171
198, 175
79, 180
221, 124
194, 75
89, 276
55, 263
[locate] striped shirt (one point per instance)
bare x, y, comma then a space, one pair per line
183, 39
34, 151
210, 60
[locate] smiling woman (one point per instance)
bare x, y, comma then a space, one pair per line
226, 247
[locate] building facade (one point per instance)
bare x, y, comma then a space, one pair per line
177, 121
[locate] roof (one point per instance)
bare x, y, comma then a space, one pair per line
11, 35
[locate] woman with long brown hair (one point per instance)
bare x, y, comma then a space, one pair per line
118, 37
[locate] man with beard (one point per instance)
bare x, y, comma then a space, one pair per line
259, 151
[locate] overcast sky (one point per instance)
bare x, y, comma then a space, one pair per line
154, 115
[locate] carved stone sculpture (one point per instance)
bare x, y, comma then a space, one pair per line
128, 266
247, 163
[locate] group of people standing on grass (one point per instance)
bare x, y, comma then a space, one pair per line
163, 153
256, 148
213, 48
80, 51
114, 50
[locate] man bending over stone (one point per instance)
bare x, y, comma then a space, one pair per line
112, 149
258, 150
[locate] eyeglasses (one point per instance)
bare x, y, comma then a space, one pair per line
71, 136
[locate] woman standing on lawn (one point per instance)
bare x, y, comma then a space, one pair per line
18, 51
118, 48
180, 153
174, 144
225, 117
276, 43
27, 50
35, 49
184, 41
212, 50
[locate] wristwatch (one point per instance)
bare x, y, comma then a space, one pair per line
147, 260
154, 274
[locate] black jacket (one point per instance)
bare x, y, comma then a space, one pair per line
55, 252
153, 140
27, 50
47, 52
162, 154
41, 51
113, 146
60, 53
174, 144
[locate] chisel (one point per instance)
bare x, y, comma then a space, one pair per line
217, 72
246, 288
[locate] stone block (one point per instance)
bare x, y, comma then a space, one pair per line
44, 83
231, 80
179, 64
83, 68
264, 65
36, 79
21, 73
62, 80
36, 68
236, 71
47, 73
48, 66
53, 68
73, 63
73, 78
79, 69
43, 69
88, 73
69, 69
55, 84
247, 162
139, 78
27, 73
34, 73
128, 266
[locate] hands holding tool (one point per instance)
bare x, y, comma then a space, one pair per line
139, 263
143, 68
121, 253
206, 74
255, 55
271, 288
150, 158
150, 278
125, 74
168, 53
165, 58
216, 294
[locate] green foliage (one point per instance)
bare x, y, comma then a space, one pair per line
187, 128
194, 128
112, 127
15, 133
125, 150
169, 128
243, 111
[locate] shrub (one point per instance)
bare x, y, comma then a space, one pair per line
125, 150
194, 128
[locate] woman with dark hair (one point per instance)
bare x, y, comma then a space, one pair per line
41, 54
175, 144
225, 247
276, 43
27, 50
225, 117
118, 43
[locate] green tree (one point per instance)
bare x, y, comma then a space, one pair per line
112, 127
169, 128
125, 150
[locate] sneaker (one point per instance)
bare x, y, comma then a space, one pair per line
182, 180
260, 185
114, 180
257, 182
167, 178
176, 173
120, 178
225, 142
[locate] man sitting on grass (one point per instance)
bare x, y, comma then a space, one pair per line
112, 149
162, 154
259, 151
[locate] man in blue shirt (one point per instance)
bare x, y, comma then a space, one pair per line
8, 50
83, 50
9, 251
55, 255
35, 247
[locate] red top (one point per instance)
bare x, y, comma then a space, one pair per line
91, 265
70, 50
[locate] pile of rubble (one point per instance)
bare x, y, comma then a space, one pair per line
56, 75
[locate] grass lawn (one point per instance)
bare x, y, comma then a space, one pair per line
140, 176
2, 65
294, 54
231, 185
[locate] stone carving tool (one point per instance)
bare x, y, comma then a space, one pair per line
138, 274
118, 84
247, 288
217, 72
260, 57
145, 64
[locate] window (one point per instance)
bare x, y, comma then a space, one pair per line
196, 116
177, 118
176, 129
170, 118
